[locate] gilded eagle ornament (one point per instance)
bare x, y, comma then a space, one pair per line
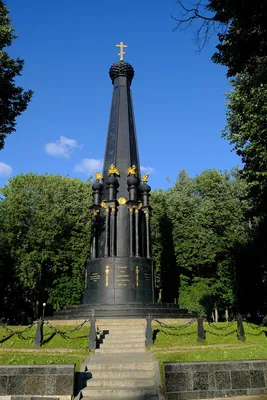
113, 170
145, 178
132, 170
98, 176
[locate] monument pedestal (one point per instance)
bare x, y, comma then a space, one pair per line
119, 280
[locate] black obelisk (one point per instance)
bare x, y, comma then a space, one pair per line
120, 268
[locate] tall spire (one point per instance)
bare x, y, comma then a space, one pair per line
121, 146
120, 269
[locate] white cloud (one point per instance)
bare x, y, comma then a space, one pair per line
5, 169
89, 165
147, 170
62, 147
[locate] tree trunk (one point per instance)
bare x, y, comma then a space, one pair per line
227, 314
216, 314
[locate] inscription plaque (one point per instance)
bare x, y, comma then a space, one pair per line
95, 276
122, 277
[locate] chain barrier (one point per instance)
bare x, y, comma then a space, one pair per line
223, 328
177, 335
175, 327
258, 327
65, 334
13, 332
222, 335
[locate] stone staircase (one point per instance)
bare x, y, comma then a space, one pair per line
121, 368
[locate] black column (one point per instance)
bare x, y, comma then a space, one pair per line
112, 231
147, 234
137, 232
131, 253
106, 253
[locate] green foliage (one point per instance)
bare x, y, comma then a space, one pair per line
240, 26
46, 224
13, 99
208, 219
246, 130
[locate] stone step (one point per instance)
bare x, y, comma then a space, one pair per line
115, 328
141, 397
121, 350
112, 345
115, 374
122, 335
123, 332
118, 392
118, 339
120, 322
128, 382
144, 366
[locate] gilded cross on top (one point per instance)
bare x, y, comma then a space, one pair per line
121, 53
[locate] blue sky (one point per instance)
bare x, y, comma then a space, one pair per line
68, 47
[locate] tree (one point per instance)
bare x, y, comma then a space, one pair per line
208, 217
13, 99
46, 225
240, 27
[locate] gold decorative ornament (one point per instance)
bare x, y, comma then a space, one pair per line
98, 176
107, 272
132, 170
103, 204
113, 170
121, 53
136, 210
140, 205
122, 200
137, 276
145, 178
130, 209
113, 209
146, 212
95, 213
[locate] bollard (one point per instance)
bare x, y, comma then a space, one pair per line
149, 333
39, 333
240, 328
200, 330
92, 335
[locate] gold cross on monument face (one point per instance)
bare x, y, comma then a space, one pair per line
121, 53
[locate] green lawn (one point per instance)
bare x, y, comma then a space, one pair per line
75, 340
40, 358
223, 335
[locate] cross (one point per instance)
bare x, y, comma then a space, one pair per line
121, 53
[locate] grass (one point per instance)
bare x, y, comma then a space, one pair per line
76, 340
225, 334
220, 345
20, 349
39, 358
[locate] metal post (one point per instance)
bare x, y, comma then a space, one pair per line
112, 232
200, 330
147, 233
240, 328
39, 333
92, 335
149, 332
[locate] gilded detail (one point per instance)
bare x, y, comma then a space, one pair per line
113, 170
98, 176
121, 53
137, 276
145, 178
146, 212
132, 170
122, 200
107, 272
95, 213
131, 209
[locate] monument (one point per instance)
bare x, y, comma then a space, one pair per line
119, 274
120, 269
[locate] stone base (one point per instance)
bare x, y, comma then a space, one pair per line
130, 310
